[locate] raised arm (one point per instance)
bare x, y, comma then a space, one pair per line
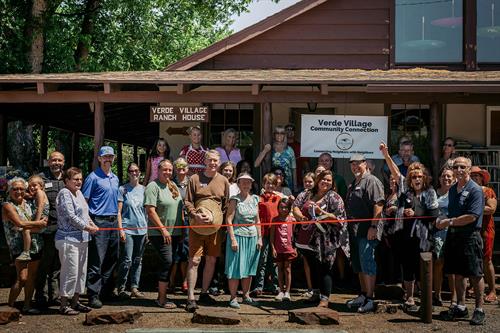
390, 163
262, 155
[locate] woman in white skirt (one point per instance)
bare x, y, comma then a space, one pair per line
74, 227
242, 256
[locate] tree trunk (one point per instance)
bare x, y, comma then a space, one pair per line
36, 33
82, 49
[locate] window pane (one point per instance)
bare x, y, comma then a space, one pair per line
488, 31
428, 31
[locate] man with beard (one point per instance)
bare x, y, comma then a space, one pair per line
101, 191
463, 249
404, 157
48, 272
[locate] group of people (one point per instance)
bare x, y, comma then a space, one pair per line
82, 232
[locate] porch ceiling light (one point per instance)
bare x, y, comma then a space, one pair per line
311, 106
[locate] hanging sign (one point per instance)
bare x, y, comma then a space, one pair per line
342, 136
179, 114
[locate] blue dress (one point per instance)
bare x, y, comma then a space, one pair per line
243, 263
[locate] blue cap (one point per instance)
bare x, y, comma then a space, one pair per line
106, 150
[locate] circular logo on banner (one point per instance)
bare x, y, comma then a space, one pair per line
344, 141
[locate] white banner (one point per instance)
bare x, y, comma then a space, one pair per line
342, 136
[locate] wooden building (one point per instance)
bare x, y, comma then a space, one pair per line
430, 66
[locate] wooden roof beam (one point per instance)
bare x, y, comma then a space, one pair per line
256, 88
183, 88
324, 89
111, 87
42, 88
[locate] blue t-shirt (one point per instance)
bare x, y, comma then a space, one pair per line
133, 214
101, 191
470, 201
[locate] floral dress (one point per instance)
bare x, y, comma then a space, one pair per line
286, 160
325, 244
13, 233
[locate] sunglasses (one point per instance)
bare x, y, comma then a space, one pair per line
461, 167
448, 145
289, 129
417, 177
134, 171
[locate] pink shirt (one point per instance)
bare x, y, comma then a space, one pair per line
233, 156
283, 235
154, 167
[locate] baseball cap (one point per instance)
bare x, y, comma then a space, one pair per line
106, 150
357, 158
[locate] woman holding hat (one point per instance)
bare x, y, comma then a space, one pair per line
242, 256
163, 204
482, 178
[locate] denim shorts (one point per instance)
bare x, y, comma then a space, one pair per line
363, 255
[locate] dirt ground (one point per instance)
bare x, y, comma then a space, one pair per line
268, 315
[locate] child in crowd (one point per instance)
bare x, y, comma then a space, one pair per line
283, 251
268, 209
308, 181
35, 192
159, 152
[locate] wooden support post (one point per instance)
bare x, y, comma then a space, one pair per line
44, 138
426, 287
98, 130
75, 149
119, 161
136, 157
435, 125
267, 134
3, 139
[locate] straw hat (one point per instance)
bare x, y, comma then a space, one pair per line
483, 172
211, 209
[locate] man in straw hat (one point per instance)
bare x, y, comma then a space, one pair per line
206, 199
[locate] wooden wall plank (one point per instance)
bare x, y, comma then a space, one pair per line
319, 15
327, 31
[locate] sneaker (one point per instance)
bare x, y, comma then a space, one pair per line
68, 311
250, 301
24, 256
453, 313
122, 295
81, 308
214, 291
356, 302
135, 293
95, 302
206, 299
234, 304
286, 297
369, 306
307, 294
191, 306
477, 317
279, 297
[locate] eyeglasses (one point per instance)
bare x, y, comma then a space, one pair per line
281, 132
134, 171
448, 145
461, 167
290, 129
417, 177
18, 189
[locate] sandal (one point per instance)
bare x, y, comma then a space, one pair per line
166, 305
490, 298
81, 308
68, 311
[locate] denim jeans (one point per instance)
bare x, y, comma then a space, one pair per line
266, 267
130, 261
165, 254
103, 256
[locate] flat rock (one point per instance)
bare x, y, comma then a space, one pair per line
389, 292
100, 317
8, 314
216, 316
314, 316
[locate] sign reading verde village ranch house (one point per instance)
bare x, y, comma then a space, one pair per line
342, 136
179, 114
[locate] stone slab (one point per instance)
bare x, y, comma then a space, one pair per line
314, 316
101, 317
216, 316
8, 314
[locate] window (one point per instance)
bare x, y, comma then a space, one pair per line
488, 31
429, 31
411, 121
237, 116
